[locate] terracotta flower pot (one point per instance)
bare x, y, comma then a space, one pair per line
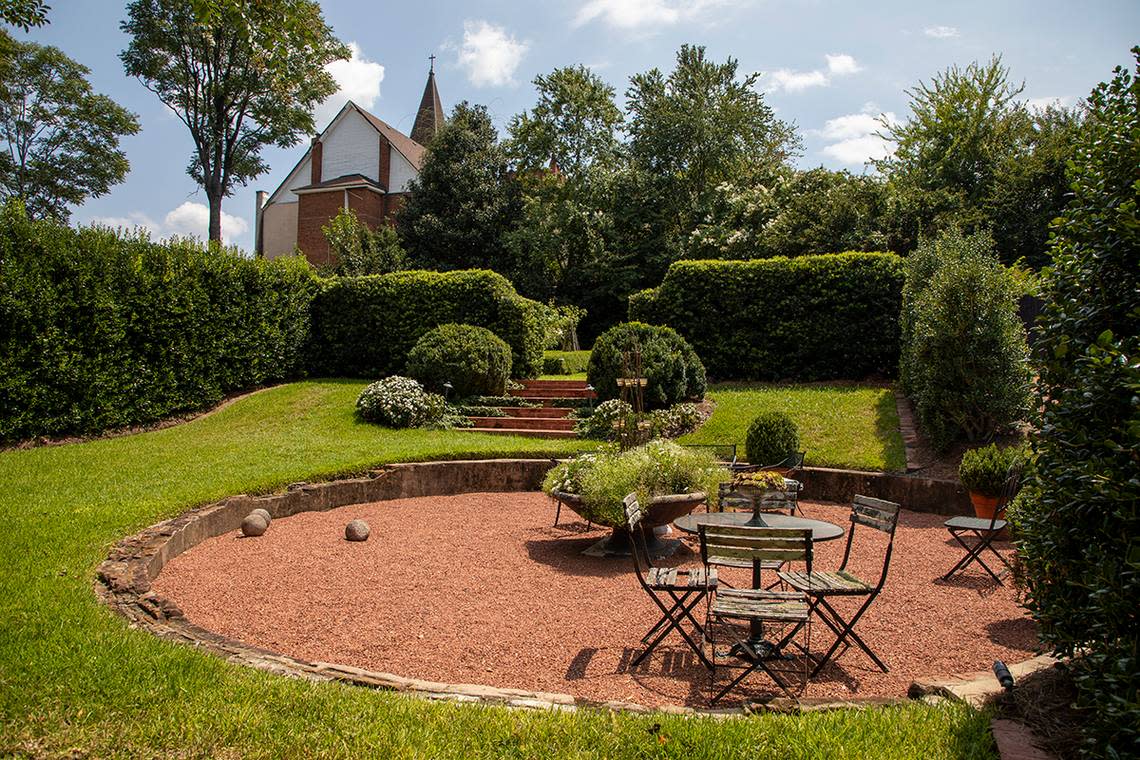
984, 506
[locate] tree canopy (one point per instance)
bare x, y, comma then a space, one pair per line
60, 139
572, 126
465, 199
240, 74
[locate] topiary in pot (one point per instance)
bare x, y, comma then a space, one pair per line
984, 472
473, 359
772, 439
671, 367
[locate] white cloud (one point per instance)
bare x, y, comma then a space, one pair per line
852, 137
193, 220
641, 14
786, 80
133, 220
941, 32
842, 64
358, 79
1040, 104
188, 220
489, 54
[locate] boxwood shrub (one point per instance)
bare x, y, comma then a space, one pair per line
772, 439
807, 318
101, 330
365, 326
473, 359
673, 371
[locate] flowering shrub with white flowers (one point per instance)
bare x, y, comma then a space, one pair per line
400, 402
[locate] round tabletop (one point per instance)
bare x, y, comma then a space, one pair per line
820, 530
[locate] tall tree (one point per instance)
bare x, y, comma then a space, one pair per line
1031, 186
567, 151
24, 13
465, 199
572, 125
688, 132
1078, 524
60, 139
962, 127
240, 74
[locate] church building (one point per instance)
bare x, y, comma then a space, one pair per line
358, 162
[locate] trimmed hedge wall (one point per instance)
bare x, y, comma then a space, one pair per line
805, 318
365, 326
98, 331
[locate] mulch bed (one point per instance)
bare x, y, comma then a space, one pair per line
481, 588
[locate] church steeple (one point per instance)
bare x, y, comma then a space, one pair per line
429, 119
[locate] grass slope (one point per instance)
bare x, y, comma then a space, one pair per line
76, 681
848, 426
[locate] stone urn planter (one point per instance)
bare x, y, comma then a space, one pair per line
656, 517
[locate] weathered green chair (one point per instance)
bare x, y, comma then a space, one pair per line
759, 547
984, 531
819, 586
675, 591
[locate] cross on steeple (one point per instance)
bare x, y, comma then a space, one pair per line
432, 59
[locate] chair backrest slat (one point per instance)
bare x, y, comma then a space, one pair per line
875, 513
745, 542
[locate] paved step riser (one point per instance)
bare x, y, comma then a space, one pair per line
523, 423
559, 384
525, 433
545, 412
540, 393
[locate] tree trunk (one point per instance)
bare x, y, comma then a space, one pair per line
215, 216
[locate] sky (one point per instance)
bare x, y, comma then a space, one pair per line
830, 67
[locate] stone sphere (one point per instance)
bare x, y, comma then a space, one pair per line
254, 525
264, 513
357, 530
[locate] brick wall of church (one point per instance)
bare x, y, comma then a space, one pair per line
314, 211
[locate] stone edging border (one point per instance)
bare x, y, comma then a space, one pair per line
123, 580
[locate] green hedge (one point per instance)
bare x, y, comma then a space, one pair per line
365, 326
99, 331
806, 318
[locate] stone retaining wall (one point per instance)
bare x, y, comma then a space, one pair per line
123, 579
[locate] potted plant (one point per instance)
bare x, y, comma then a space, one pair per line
983, 473
670, 481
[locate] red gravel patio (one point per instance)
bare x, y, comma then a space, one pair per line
480, 588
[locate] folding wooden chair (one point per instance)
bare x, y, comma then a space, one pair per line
724, 544
675, 591
984, 531
872, 513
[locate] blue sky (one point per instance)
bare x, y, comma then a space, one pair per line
830, 67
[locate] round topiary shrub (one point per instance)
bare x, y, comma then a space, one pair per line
671, 367
772, 438
400, 402
473, 359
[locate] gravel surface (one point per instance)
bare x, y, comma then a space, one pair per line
481, 588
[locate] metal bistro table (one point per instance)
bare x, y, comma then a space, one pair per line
820, 531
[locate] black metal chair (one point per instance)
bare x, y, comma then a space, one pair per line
758, 546
984, 531
675, 591
819, 586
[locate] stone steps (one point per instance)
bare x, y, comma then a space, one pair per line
551, 420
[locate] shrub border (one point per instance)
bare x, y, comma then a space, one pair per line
123, 580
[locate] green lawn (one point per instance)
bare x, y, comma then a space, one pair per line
849, 426
76, 681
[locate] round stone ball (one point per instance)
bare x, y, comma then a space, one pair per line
254, 525
264, 513
357, 530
